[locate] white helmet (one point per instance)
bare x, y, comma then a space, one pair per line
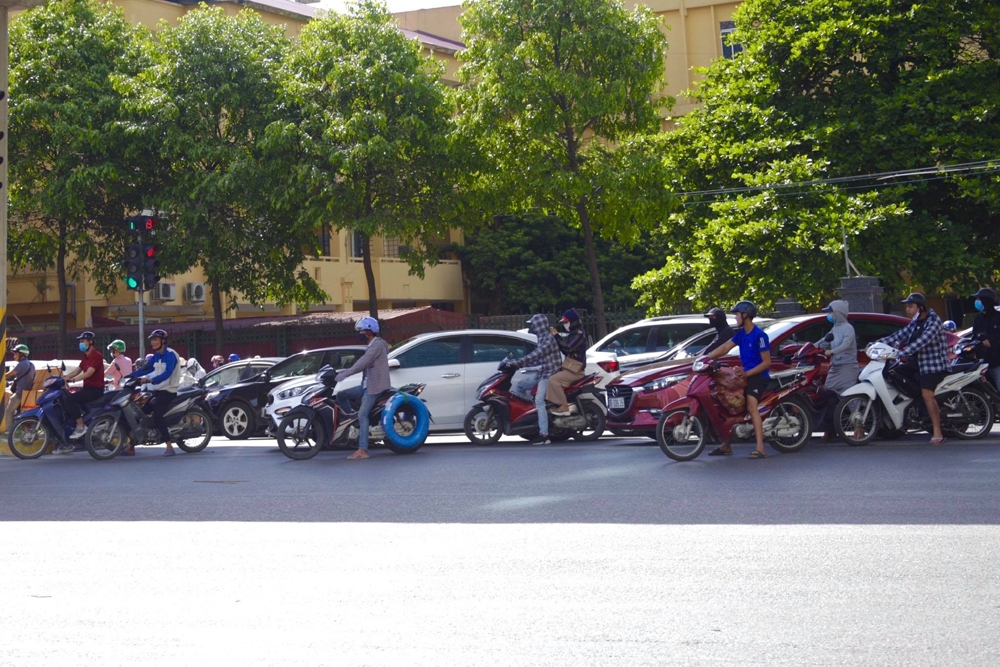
367, 324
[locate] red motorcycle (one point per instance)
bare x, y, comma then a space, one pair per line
786, 408
501, 412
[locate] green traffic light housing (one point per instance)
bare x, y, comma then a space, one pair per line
133, 266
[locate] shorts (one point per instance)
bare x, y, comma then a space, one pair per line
931, 380
756, 385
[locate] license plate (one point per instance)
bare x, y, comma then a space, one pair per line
617, 402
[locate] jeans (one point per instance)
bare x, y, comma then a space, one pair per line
364, 412
349, 399
161, 403
994, 375
543, 414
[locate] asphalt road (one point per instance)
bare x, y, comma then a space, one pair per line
600, 554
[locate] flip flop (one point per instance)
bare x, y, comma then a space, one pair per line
169, 452
719, 451
940, 441
358, 454
757, 454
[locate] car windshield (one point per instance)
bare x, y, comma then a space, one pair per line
774, 331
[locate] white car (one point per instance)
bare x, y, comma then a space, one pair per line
451, 363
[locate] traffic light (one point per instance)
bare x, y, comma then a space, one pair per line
150, 265
133, 266
141, 223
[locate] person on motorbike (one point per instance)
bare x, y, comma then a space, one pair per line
165, 371
120, 365
986, 329
23, 376
218, 361
374, 367
723, 332
923, 341
843, 348
549, 359
574, 346
234, 357
91, 371
755, 355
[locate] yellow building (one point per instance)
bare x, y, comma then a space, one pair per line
33, 296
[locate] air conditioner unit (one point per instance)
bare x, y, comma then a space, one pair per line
164, 291
195, 292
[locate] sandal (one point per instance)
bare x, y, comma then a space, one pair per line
358, 454
719, 451
757, 454
169, 452
938, 441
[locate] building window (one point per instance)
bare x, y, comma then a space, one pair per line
324, 241
729, 49
357, 244
391, 247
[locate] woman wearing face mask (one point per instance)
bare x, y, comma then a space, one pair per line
986, 329
843, 349
91, 371
574, 346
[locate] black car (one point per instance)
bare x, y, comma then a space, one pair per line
239, 408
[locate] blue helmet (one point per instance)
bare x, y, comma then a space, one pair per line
949, 326
367, 324
234, 357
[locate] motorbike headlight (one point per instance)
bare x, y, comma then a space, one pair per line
663, 383
292, 393
312, 392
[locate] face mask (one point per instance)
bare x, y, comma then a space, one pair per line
979, 306
83, 347
566, 326
829, 318
362, 338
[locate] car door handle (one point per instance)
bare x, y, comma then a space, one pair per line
451, 375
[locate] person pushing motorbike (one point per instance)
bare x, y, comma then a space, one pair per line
165, 369
755, 355
986, 329
374, 367
924, 342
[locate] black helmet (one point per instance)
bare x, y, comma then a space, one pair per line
745, 307
86, 335
916, 298
157, 333
985, 293
716, 314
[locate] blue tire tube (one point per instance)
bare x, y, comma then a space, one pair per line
419, 435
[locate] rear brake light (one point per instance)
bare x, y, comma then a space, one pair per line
609, 366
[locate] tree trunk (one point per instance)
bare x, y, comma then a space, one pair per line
63, 291
595, 275
220, 332
366, 255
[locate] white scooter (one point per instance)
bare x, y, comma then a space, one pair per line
888, 404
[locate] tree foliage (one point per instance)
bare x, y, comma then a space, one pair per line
838, 88
369, 148
561, 97
205, 102
73, 170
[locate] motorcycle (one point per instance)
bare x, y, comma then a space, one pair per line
36, 429
399, 418
502, 412
885, 400
785, 407
969, 349
124, 419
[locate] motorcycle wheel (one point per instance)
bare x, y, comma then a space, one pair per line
793, 410
29, 438
483, 426
105, 438
595, 423
197, 426
980, 407
298, 441
849, 420
682, 441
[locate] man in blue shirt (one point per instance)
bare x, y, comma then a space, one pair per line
755, 355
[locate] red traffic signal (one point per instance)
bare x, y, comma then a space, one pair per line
151, 250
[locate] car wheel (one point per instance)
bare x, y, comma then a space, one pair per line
237, 421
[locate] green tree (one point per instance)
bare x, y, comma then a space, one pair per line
370, 149
74, 172
204, 104
563, 98
832, 89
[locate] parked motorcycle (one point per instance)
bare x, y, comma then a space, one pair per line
886, 400
399, 418
36, 430
785, 407
125, 419
501, 412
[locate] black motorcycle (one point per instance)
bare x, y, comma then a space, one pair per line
126, 420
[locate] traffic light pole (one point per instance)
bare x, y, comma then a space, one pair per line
142, 322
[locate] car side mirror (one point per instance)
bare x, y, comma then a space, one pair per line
394, 363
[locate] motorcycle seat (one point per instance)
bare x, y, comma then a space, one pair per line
963, 367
